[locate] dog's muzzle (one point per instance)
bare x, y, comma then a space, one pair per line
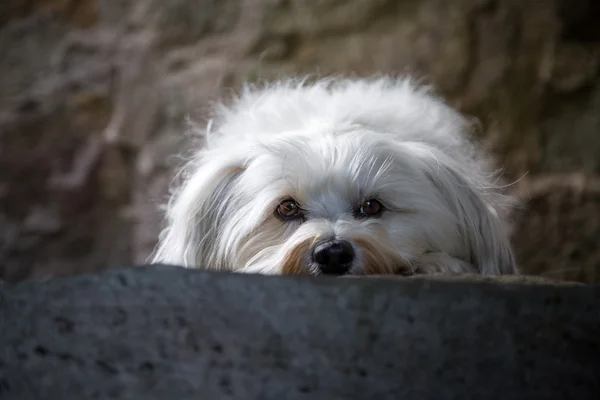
333, 257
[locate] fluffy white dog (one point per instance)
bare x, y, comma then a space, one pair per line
338, 177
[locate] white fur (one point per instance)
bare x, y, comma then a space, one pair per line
331, 145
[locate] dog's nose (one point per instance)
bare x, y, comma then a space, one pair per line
334, 257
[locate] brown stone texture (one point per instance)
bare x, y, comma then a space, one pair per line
95, 96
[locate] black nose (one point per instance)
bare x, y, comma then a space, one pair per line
333, 257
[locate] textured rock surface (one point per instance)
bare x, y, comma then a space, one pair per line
560, 230
94, 96
170, 333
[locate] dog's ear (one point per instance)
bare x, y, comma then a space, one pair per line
195, 215
479, 222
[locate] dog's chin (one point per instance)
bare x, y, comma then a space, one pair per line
312, 269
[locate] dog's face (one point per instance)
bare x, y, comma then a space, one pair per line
339, 203
348, 179
346, 203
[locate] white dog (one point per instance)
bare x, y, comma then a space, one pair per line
338, 177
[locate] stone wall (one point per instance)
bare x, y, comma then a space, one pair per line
94, 96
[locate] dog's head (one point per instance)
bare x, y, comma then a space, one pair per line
362, 194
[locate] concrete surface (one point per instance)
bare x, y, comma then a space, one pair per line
171, 333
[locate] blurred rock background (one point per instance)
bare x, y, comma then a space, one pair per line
94, 96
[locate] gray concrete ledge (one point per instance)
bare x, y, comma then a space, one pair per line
171, 333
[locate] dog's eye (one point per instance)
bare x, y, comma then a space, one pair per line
370, 208
288, 209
